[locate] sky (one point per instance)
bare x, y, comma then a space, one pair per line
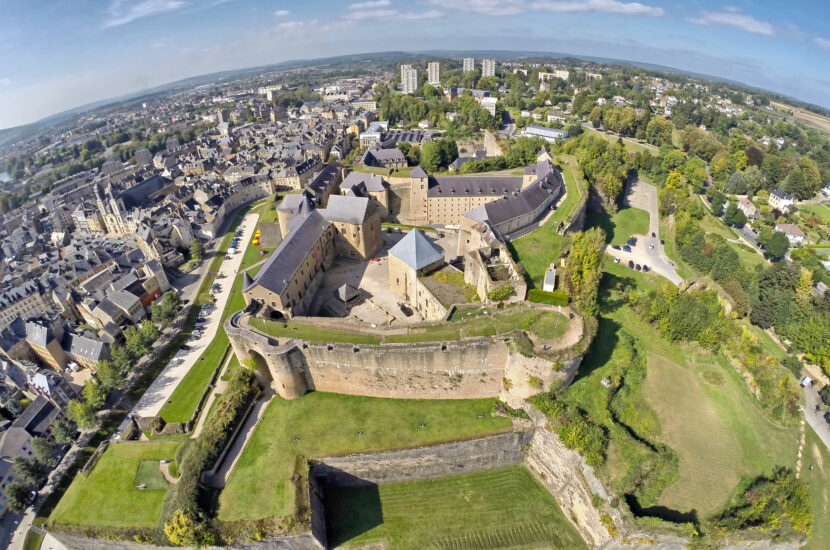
59, 54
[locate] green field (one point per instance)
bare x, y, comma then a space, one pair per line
704, 410
503, 508
818, 479
630, 145
32, 541
327, 424
543, 323
622, 225
108, 496
820, 210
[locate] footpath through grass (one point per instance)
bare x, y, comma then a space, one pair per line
327, 424
502, 508
108, 497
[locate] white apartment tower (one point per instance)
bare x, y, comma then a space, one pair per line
409, 79
468, 64
488, 67
434, 72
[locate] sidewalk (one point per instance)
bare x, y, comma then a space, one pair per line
163, 386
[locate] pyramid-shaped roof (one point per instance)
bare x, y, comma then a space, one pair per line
418, 172
416, 250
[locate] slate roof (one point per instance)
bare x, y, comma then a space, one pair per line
37, 334
416, 250
782, 195
460, 186
348, 209
84, 347
418, 172
291, 253
13, 440
37, 416
139, 194
359, 182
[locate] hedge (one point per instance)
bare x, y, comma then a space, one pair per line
200, 454
555, 298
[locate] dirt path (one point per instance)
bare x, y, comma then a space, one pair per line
217, 390
164, 468
571, 337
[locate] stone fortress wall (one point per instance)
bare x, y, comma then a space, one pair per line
464, 369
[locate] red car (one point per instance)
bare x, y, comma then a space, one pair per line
653, 236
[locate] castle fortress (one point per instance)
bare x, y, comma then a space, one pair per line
340, 216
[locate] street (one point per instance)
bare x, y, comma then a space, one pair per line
814, 417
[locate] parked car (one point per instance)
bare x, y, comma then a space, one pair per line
616, 260
630, 264
638, 267
632, 241
651, 247
645, 269
626, 248
653, 236
615, 246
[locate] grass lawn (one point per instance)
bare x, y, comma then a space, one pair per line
537, 250
326, 424
32, 541
622, 225
575, 187
820, 210
817, 455
149, 474
543, 323
503, 508
749, 258
185, 398
630, 145
108, 497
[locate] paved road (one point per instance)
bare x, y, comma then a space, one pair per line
163, 386
815, 418
648, 250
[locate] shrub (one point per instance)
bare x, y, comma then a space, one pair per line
535, 382
555, 298
825, 395
500, 292
574, 428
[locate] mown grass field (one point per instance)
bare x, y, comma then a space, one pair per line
622, 225
631, 146
327, 424
503, 508
108, 496
820, 210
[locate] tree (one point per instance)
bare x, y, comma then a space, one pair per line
121, 359
777, 245
43, 450
796, 184
804, 290
717, 203
430, 156
18, 496
164, 311
62, 431
695, 173
108, 374
752, 179
659, 131
583, 268
183, 529
674, 181
595, 118
733, 215
14, 407
197, 249
673, 160
81, 414
29, 471
95, 394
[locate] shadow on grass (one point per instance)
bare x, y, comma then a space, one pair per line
603, 220
601, 348
661, 512
352, 507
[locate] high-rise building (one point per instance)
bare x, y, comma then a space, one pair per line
409, 79
468, 64
434, 72
488, 67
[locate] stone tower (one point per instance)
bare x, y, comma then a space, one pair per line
418, 206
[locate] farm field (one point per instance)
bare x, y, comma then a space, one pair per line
108, 497
327, 424
811, 119
503, 508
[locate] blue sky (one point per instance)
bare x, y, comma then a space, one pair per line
56, 55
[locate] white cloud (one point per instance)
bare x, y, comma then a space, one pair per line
822, 43
732, 17
122, 12
282, 13
514, 7
370, 4
295, 25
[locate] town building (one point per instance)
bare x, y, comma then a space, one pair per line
488, 67
434, 73
794, 233
468, 64
409, 79
780, 201
551, 135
